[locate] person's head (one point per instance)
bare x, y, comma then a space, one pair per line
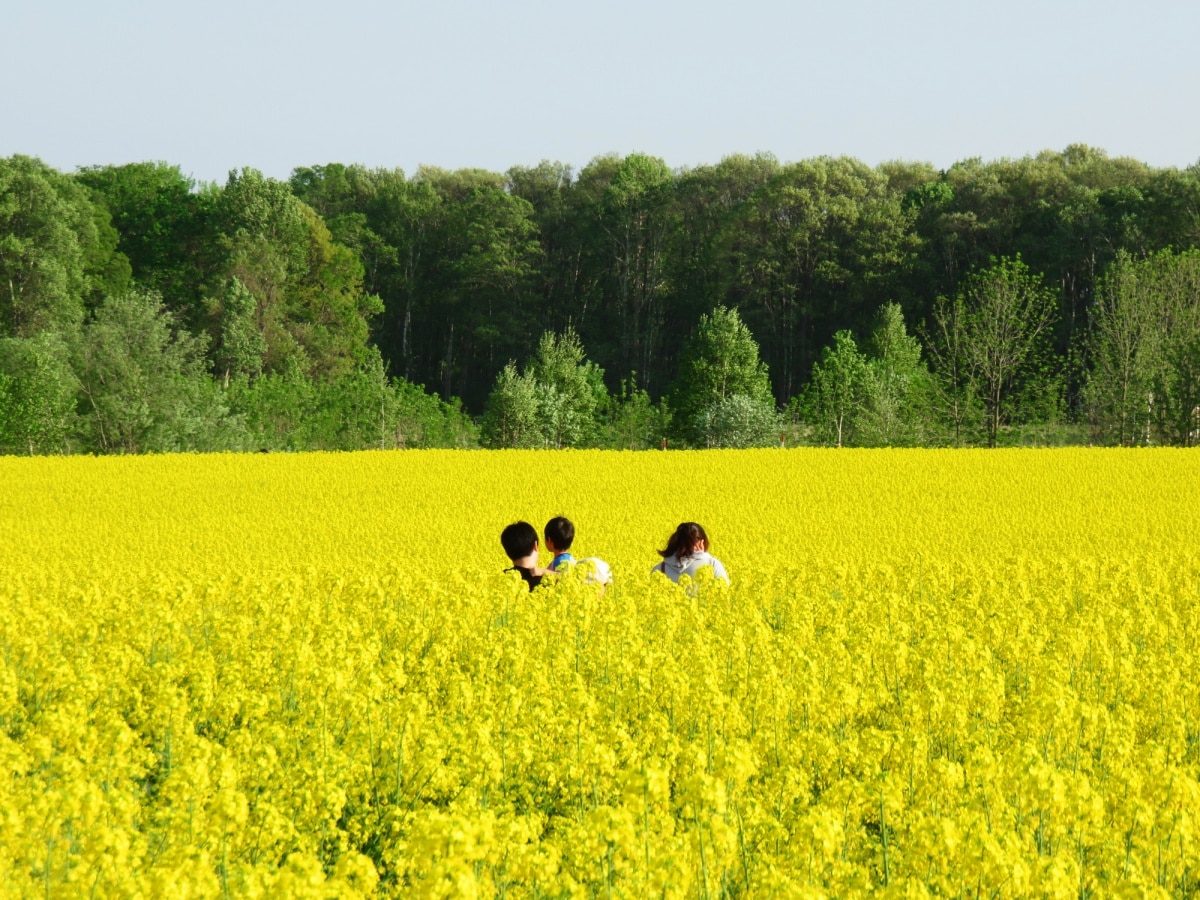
559, 534
519, 540
689, 538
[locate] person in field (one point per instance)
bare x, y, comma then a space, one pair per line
520, 542
687, 553
559, 534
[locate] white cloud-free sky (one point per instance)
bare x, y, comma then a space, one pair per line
493, 83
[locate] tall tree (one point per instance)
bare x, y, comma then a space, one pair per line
567, 280
708, 198
1009, 314
554, 403
398, 227
494, 249
955, 393
510, 418
241, 347
1144, 386
142, 380
452, 255
636, 216
310, 308
1125, 353
834, 397
570, 387
1177, 392
1064, 213
163, 220
371, 212
816, 248
57, 251
896, 395
719, 359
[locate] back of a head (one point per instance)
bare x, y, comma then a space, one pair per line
683, 543
560, 531
519, 539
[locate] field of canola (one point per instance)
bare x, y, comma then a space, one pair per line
947, 673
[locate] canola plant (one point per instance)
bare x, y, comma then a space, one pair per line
935, 673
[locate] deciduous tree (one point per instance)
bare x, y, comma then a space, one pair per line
56, 249
834, 397
1009, 312
719, 359
895, 402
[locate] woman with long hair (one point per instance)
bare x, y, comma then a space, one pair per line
687, 553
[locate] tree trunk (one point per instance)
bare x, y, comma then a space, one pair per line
448, 365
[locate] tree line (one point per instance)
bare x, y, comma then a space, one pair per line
1054, 298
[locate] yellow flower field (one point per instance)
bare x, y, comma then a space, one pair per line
948, 673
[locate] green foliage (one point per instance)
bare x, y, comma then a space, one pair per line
56, 249
719, 360
837, 391
395, 226
422, 420
992, 354
289, 288
276, 410
631, 421
493, 248
738, 421
37, 395
163, 227
815, 249
878, 398
310, 308
1144, 387
570, 389
895, 408
108, 269
926, 195
553, 403
1125, 354
635, 218
1008, 314
143, 383
359, 411
954, 397
241, 347
511, 417
450, 254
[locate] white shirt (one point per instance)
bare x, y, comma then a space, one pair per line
674, 569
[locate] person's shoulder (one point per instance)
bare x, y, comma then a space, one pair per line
531, 577
705, 559
718, 568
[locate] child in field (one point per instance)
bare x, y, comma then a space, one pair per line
560, 535
520, 542
687, 553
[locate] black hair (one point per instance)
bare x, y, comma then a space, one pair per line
682, 544
560, 531
519, 539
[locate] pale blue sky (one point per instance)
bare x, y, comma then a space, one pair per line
467, 83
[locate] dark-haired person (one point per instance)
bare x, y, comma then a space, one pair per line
687, 553
520, 542
560, 535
